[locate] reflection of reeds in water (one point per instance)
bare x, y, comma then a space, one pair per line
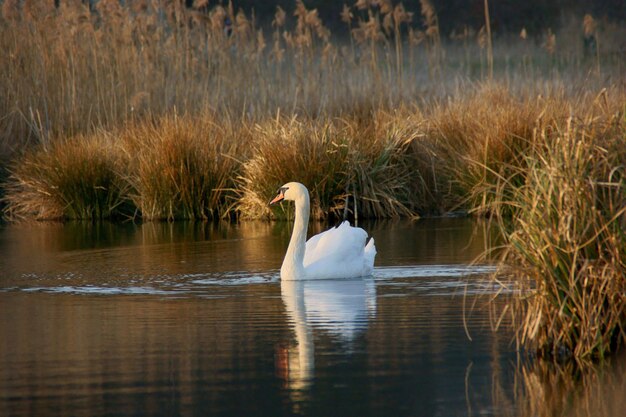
544, 389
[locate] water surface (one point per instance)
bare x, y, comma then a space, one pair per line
192, 319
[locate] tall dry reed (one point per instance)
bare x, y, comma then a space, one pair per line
70, 69
562, 210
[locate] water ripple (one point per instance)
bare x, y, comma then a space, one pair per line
89, 289
423, 271
235, 278
398, 280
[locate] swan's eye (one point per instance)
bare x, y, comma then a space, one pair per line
283, 190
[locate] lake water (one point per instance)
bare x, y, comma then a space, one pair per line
191, 319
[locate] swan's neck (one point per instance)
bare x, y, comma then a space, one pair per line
293, 267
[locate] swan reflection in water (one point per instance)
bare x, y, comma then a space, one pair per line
340, 308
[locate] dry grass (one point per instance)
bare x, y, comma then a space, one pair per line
567, 205
365, 165
477, 139
78, 178
568, 240
314, 154
182, 167
67, 71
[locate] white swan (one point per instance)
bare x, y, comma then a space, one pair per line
336, 253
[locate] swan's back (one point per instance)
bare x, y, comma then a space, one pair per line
339, 253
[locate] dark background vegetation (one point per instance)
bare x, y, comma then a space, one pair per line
506, 15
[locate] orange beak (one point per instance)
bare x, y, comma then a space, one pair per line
278, 198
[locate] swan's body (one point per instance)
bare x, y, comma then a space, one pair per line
340, 252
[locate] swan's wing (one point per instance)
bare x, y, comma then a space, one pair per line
336, 243
370, 254
339, 252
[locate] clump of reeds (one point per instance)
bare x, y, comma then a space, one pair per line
291, 150
76, 178
567, 239
476, 140
389, 178
183, 167
179, 167
364, 168
551, 171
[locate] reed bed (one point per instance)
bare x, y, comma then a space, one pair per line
559, 199
71, 70
477, 139
176, 168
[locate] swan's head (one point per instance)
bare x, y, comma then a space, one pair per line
291, 191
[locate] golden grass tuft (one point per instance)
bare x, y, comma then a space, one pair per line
314, 153
364, 165
473, 140
388, 177
179, 167
76, 178
561, 206
182, 167
550, 171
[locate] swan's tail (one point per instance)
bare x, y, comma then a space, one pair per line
370, 254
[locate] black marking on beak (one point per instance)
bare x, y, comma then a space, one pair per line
280, 196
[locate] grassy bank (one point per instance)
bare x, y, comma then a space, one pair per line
473, 153
164, 113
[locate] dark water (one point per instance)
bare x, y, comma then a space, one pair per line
191, 319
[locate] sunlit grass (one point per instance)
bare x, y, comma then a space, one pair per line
182, 167
568, 237
366, 165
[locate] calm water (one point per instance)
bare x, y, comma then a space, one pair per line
188, 319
